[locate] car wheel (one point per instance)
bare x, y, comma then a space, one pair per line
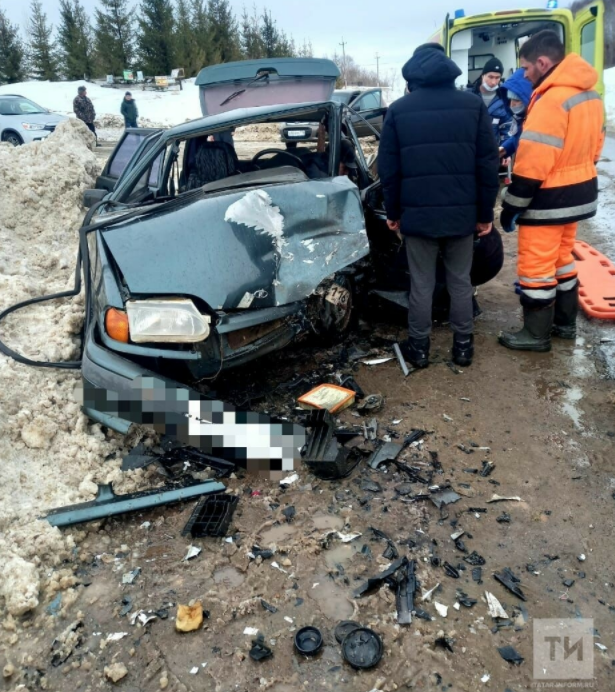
12, 138
335, 308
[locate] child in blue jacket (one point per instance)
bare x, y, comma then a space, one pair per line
519, 93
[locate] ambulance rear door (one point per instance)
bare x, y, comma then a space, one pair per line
588, 38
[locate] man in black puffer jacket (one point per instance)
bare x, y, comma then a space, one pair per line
438, 163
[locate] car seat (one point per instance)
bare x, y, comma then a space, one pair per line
205, 162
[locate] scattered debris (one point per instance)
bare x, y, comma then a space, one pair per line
129, 577
143, 617
487, 469
268, 606
391, 552
344, 628
251, 631
474, 559
211, 517
602, 647
445, 643
510, 581
329, 397
370, 429
193, 551
370, 486
442, 609
389, 451
362, 648
116, 636
426, 597
108, 504
308, 641
407, 585
499, 498
126, 606
477, 575
504, 518
495, 607
371, 403
486, 677
260, 651
374, 582
465, 600
508, 653
451, 571
289, 480
376, 361
66, 642
115, 672
446, 418
568, 583
347, 537
189, 617
263, 553
401, 359
276, 566
323, 454
444, 497
289, 513
581, 558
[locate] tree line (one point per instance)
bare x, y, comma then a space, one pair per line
157, 37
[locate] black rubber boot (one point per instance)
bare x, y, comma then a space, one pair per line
566, 311
463, 349
416, 352
536, 332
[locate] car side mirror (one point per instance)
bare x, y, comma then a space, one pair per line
91, 197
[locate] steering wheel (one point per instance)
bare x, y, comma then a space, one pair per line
295, 159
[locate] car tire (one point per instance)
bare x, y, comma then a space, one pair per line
333, 322
12, 138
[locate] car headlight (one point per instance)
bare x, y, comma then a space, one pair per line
32, 126
166, 320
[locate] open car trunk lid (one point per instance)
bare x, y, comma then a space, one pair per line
265, 82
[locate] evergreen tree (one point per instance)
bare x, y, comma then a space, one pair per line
223, 32
114, 37
156, 41
41, 48
275, 43
200, 30
12, 56
190, 53
251, 41
75, 39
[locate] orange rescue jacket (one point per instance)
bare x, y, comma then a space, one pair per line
554, 178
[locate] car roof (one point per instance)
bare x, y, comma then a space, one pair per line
17, 96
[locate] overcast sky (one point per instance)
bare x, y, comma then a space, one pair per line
391, 28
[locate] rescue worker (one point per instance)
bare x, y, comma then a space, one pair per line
84, 109
554, 185
519, 93
489, 88
438, 164
129, 110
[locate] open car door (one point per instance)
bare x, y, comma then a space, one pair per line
133, 144
588, 39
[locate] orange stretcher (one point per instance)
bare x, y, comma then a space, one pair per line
596, 281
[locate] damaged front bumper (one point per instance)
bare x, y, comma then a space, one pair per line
118, 392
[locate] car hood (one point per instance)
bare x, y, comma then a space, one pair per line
43, 118
267, 246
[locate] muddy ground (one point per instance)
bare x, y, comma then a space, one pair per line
549, 421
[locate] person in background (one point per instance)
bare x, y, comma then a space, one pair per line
519, 93
489, 88
554, 186
84, 109
438, 164
129, 110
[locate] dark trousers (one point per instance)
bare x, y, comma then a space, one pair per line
92, 129
422, 260
130, 123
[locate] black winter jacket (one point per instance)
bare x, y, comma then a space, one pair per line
438, 160
129, 109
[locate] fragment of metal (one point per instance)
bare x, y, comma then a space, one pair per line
211, 516
108, 504
400, 358
389, 451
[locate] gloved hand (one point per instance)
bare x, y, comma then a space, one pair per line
508, 220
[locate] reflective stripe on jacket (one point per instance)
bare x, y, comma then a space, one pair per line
554, 179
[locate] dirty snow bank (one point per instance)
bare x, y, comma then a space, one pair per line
49, 454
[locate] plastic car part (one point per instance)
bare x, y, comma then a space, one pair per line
375, 582
508, 579
389, 451
406, 588
260, 651
444, 497
391, 552
400, 358
108, 504
451, 571
308, 641
474, 559
323, 455
344, 628
211, 516
362, 648
508, 653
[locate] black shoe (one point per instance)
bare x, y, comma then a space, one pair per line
536, 332
416, 352
463, 349
566, 311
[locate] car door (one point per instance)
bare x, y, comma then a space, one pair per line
588, 39
133, 144
369, 105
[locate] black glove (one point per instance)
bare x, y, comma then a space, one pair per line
508, 219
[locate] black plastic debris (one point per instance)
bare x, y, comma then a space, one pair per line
477, 575
268, 606
375, 582
568, 583
344, 628
263, 553
299, 602
510, 581
211, 516
107, 503
370, 486
178, 459
445, 643
362, 648
389, 451
504, 518
323, 454
406, 588
474, 559
445, 497
509, 654
414, 436
487, 468
404, 489
450, 570
478, 510
289, 513
350, 383
260, 651
460, 545
435, 462
138, 458
413, 474
465, 600
391, 552
126, 606
422, 614
308, 641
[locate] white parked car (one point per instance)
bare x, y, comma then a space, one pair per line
23, 121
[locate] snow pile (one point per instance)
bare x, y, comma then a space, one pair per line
49, 454
609, 96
